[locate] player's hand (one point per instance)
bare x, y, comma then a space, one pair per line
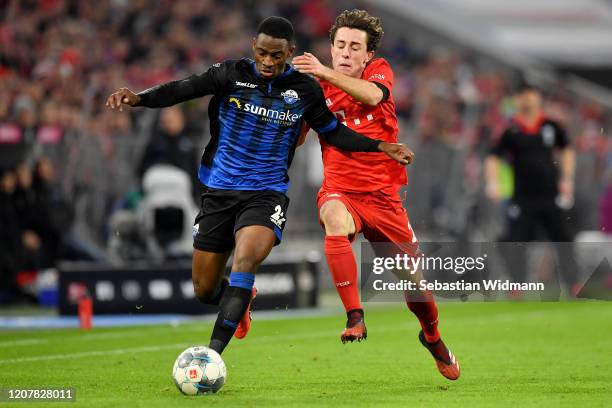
31, 240
309, 64
397, 151
123, 96
493, 192
566, 193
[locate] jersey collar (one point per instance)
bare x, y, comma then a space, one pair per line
529, 128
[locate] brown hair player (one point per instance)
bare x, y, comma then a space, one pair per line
360, 192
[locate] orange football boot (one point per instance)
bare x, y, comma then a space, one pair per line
445, 360
355, 328
245, 323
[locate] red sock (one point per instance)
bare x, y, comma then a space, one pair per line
343, 268
423, 305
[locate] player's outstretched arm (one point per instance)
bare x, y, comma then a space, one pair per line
364, 91
160, 96
170, 93
345, 138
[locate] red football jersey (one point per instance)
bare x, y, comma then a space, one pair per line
360, 171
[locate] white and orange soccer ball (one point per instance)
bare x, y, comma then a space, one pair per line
199, 370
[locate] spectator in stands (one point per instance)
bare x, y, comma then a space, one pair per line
32, 222
54, 214
11, 247
172, 144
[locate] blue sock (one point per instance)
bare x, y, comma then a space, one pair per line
244, 280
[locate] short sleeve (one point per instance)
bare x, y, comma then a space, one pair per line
561, 138
379, 71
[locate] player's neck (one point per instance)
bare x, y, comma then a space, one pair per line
529, 118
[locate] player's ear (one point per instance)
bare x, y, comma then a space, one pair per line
369, 55
290, 50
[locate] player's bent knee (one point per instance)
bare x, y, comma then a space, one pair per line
336, 219
336, 224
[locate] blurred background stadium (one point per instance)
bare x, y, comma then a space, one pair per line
98, 186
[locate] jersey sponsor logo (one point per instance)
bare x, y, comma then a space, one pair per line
376, 76
281, 117
290, 96
343, 284
278, 217
217, 65
246, 84
236, 101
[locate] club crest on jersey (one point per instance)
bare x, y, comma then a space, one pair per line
290, 96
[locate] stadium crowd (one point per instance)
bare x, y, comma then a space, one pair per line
67, 161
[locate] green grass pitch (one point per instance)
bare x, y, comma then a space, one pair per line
511, 354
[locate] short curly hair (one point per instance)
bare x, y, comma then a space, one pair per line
360, 20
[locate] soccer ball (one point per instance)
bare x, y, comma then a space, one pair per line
199, 370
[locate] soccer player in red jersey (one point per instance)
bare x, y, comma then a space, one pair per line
360, 191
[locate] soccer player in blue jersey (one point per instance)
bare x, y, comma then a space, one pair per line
256, 114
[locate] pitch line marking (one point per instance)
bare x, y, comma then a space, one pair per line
100, 353
195, 326
93, 353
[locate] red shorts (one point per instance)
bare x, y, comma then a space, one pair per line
381, 218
